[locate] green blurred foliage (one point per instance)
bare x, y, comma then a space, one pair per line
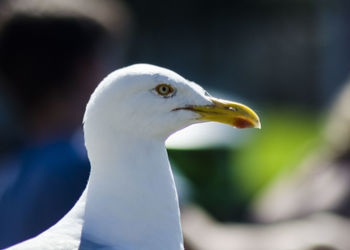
209, 173
287, 136
226, 180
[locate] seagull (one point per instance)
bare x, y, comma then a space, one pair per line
130, 202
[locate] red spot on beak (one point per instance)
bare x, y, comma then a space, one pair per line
242, 123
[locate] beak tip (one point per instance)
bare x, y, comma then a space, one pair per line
258, 126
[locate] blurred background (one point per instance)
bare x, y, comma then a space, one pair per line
286, 186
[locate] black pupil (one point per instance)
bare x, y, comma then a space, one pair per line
164, 89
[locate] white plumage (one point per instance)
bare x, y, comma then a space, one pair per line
130, 201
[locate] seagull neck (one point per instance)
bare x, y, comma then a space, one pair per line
132, 201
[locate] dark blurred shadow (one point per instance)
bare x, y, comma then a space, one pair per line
52, 55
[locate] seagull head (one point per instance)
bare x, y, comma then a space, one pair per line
147, 100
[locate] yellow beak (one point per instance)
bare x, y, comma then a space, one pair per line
232, 113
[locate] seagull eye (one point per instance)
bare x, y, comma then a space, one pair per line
164, 90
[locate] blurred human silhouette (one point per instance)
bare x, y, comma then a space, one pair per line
52, 55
